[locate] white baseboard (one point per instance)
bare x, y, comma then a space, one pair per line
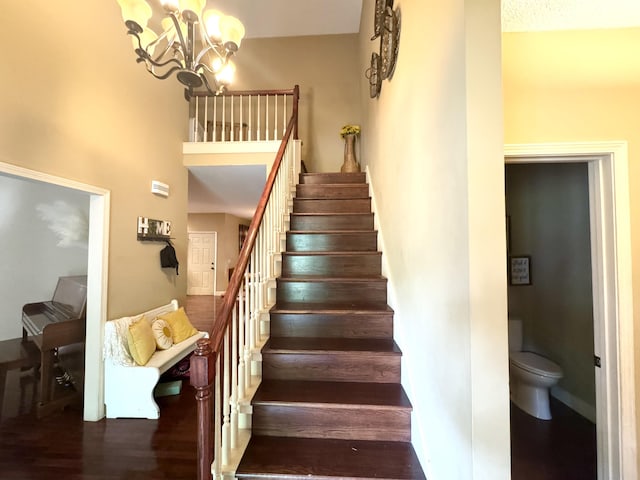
574, 403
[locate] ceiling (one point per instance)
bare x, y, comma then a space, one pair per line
236, 189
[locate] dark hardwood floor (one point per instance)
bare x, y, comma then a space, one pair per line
62, 446
563, 448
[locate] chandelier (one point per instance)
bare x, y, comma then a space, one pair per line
197, 46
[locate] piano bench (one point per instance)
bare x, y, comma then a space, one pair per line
128, 388
16, 353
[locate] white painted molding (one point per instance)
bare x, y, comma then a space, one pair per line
611, 161
264, 146
97, 281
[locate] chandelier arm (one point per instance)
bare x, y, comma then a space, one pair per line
203, 52
165, 75
143, 55
176, 25
147, 58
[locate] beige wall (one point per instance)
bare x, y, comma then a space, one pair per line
578, 86
76, 105
433, 145
228, 247
326, 68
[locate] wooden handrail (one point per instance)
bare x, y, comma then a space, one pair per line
204, 359
232, 93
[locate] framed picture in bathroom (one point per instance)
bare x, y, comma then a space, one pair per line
520, 270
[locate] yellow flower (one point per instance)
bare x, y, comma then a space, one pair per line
350, 130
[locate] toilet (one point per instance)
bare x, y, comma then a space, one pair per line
530, 375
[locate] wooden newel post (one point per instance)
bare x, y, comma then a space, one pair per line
202, 373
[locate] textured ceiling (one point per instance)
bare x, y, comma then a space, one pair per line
538, 15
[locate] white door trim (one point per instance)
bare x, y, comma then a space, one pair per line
613, 299
97, 277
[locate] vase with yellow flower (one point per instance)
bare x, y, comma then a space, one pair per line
350, 133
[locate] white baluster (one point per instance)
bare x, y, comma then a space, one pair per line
284, 114
206, 123
241, 345
275, 117
226, 407
266, 117
197, 122
214, 123
241, 117
232, 135
258, 131
223, 134
234, 377
217, 420
247, 332
250, 129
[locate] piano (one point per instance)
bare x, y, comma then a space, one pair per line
57, 328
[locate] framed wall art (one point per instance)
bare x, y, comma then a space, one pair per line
520, 270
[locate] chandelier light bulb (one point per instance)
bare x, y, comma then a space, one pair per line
170, 5
225, 77
216, 65
232, 32
211, 20
194, 6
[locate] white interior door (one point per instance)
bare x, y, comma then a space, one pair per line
201, 263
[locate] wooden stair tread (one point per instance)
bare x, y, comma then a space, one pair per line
331, 252
315, 278
325, 232
329, 308
390, 395
320, 214
324, 459
334, 345
345, 198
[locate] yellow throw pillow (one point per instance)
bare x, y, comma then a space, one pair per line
141, 342
180, 325
162, 333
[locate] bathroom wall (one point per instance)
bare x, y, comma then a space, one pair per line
548, 210
34, 254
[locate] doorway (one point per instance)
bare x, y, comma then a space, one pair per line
96, 308
201, 263
611, 286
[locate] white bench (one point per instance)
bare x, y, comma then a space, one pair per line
128, 387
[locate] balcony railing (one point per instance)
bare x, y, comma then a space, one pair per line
242, 116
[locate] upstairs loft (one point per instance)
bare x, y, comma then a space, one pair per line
239, 128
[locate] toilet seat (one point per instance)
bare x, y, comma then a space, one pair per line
536, 364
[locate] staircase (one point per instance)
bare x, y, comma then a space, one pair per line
330, 404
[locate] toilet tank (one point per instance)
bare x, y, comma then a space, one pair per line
515, 334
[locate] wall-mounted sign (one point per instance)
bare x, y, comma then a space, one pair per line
150, 229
